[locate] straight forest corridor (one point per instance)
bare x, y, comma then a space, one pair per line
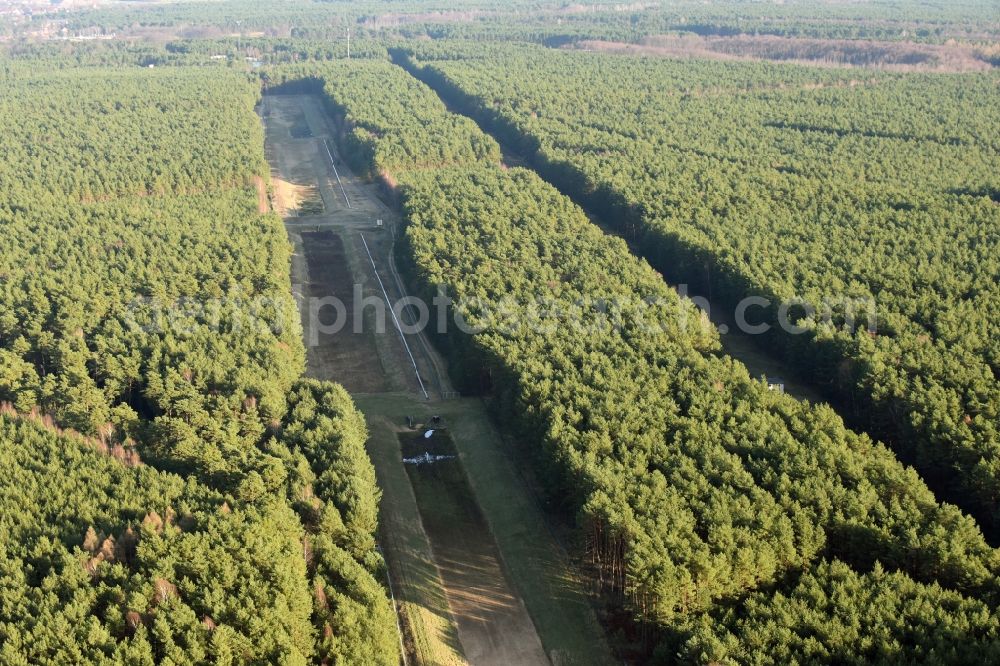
475, 582
735, 343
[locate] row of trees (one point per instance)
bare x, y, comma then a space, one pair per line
549, 22
223, 52
788, 182
321, 21
304, 30
694, 484
906, 21
145, 303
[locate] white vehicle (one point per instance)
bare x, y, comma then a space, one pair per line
426, 459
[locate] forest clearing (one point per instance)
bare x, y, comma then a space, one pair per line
456, 600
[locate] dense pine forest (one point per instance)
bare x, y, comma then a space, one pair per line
176, 486
693, 482
147, 320
788, 182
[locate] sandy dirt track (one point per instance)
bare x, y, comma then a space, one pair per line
326, 218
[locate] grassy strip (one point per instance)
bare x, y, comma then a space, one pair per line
554, 595
431, 629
